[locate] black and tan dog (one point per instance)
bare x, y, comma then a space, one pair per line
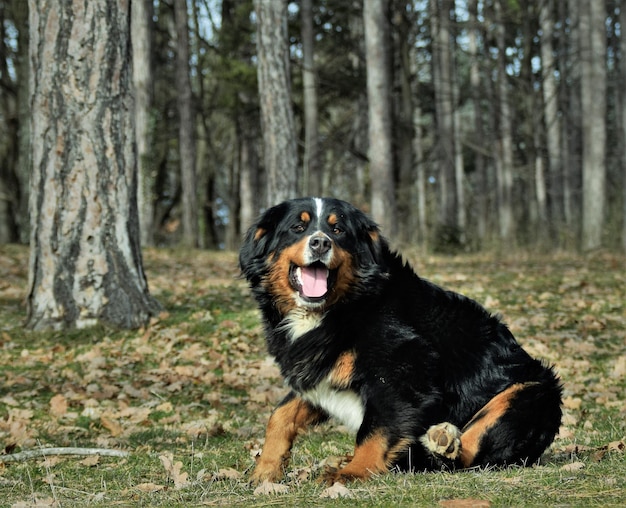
427, 378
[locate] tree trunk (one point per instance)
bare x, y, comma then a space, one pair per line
186, 128
404, 133
85, 263
504, 164
622, 110
481, 196
550, 91
593, 92
141, 35
379, 114
280, 154
448, 227
311, 177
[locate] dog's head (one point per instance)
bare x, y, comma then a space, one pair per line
311, 253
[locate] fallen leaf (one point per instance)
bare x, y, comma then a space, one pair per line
149, 487
336, 491
465, 503
174, 470
269, 488
91, 461
227, 474
573, 467
58, 405
111, 425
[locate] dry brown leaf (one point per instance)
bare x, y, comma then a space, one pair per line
573, 467
465, 503
174, 470
269, 488
111, 425
227, 474
619, 369
149, 487
58, 405
336, 491
92, 460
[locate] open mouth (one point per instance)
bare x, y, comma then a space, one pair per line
313, 282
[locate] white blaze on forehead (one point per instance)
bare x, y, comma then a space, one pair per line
319, 205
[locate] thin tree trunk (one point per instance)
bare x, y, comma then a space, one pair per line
379, 114
280, 154
479, 128
141, 35
186, 128
311, 161
622, 105
85, 262
404, 130
504, 166
593, 92
446, 147
550, 92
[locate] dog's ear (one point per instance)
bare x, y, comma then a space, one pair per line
373, 239
257, 240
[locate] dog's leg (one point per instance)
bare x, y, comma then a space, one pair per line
372, 456
289, 418
514, 427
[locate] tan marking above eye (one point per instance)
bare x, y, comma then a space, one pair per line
333, 219
305, 217
260, 232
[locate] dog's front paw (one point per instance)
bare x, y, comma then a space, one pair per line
443, 439
266, 471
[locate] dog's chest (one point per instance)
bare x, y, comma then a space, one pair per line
344, 405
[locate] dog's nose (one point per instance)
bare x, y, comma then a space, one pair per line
319, 244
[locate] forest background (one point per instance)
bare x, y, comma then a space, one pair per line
502, 122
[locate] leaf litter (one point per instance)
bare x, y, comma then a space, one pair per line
200, 373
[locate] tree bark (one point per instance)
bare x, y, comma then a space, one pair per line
277, 120
481, 196
550, 93
85, 262
504, 160
622, 107
379, 114
593, 92
448, 226
141, 35
186, 128
311, 177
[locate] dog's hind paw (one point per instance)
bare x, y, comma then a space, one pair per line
443, 439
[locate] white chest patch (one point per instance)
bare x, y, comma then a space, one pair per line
344, 405
298, 322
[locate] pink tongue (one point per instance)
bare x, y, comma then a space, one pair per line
314, 281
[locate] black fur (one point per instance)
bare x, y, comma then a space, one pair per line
424, 355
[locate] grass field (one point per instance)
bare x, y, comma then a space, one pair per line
188, 397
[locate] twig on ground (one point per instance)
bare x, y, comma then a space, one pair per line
45, 452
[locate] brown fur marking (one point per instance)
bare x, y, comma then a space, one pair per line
278, 277
342, 372
259, 233
369, 458
305, 217
333, 219
484, 420
283, 427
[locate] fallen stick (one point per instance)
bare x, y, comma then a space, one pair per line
44, 452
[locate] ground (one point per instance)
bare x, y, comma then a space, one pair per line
188, 396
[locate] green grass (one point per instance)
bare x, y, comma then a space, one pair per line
197, 384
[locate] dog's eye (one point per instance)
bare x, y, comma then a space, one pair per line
337, 230
298, 228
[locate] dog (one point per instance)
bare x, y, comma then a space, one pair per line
425, 377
